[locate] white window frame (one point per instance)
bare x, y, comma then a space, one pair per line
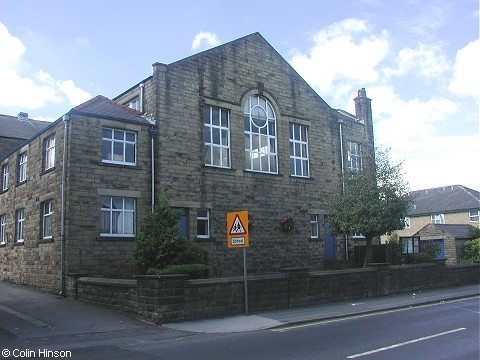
5, 177
314, 226
407, 223
204, 219
133, 104
123, 212
22, 168
299, 164
20, 226
110, 143
3, 229
260, 132
474, 215
47, 219
354, 156
217, 136
437, 219
50, 153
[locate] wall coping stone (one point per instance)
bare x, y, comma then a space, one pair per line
294, 269
107, 281
162, 277
233, 279
342, 271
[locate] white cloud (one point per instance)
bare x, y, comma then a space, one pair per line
205, 40
20, 88
426, 60
442, 161
82, 41
413, 115
345, 51
466, 77
74, 94
12, 49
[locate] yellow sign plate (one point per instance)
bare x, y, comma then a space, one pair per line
237, 229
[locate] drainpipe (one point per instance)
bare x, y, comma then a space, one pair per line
142, 88
66, 119
340, 122
152, 130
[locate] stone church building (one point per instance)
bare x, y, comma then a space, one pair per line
231, 128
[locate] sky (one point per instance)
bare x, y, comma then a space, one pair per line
417, 59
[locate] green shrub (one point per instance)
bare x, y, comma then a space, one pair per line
195, 271
394, 249
160, 244
472, 251
419, 258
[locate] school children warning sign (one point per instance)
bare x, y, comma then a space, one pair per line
237, 229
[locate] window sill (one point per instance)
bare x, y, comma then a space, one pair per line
3, 191
21, 182
115, 238
315, 239
300, 179
47, 171
252, 173
2, 245
120, 165
45, 241
19, 243
201, 239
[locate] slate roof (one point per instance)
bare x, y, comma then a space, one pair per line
12, 127
102, 107
443, 200
99, 106
460, 231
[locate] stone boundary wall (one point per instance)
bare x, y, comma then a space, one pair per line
174, 298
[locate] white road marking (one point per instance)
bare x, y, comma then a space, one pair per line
404, 343
373, 313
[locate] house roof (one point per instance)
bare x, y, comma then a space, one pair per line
23, 129
459, 231
102, 107
99, 106
443, 200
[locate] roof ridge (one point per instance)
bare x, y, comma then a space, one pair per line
467, 190
104, 98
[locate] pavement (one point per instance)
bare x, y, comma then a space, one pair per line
23, 311
279, 319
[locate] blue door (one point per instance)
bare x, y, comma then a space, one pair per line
329, 243
441, 245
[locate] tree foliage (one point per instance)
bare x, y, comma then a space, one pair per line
472, 251
374, 201
160, 243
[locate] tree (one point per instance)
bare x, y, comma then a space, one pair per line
373, 202
160, 244
472, 251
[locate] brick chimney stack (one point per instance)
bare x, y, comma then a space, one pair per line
363, 106
363, 111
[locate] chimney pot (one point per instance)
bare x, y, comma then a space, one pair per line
22, 116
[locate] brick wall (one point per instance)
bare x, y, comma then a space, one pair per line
161, 299
88, 180
36, 261
225, 77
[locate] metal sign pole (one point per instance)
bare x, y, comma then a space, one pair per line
245, 279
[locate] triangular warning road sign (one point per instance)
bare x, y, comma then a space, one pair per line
237, 227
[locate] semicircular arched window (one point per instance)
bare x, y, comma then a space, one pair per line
260, 135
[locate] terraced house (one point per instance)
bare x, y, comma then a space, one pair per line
232, 128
